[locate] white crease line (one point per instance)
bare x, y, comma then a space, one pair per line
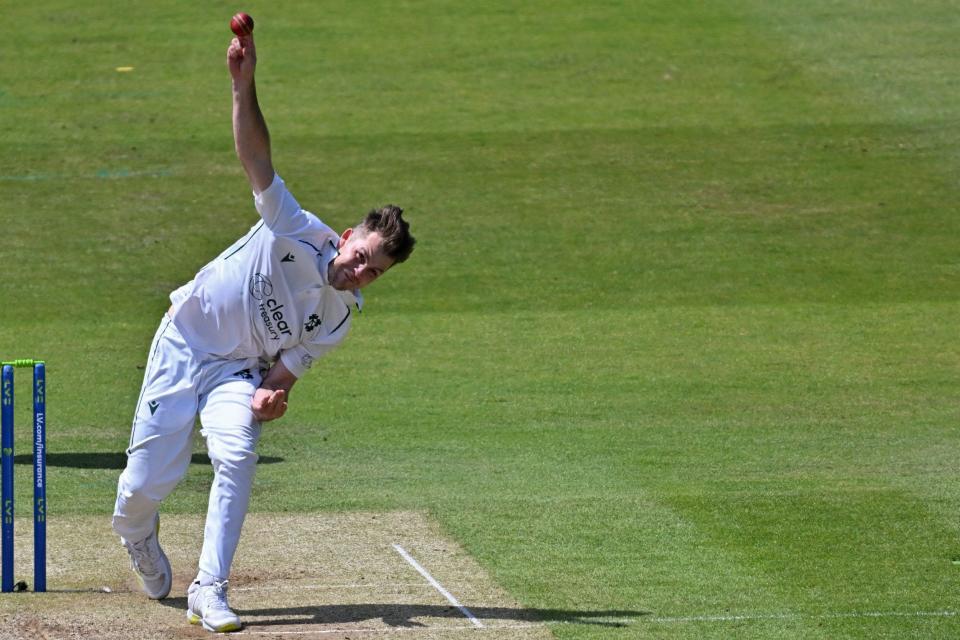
436, 585
380, 631
797, 616
291, 586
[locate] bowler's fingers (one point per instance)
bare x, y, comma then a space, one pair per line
281, 402
278, 398
241, 47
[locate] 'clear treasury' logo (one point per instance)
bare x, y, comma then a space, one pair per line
271, 311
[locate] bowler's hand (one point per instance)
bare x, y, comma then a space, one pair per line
268, 405
242, 58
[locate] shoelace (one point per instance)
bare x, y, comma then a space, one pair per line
143, 559
215, 596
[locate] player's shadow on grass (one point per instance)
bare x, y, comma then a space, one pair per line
109, 460
406, 615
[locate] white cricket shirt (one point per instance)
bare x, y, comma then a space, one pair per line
267, 295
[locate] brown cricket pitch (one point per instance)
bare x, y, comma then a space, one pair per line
318, 575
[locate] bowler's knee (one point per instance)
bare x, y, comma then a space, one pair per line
135, 488
234, 460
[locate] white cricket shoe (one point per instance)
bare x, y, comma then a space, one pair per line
208, 605
150, 564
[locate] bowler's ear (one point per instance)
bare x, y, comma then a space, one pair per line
344, 237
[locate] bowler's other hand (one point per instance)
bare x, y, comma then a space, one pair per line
268, 405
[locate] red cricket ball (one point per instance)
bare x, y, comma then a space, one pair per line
241, 24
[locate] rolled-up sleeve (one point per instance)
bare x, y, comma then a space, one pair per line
300, 358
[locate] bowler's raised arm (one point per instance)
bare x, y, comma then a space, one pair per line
250, 135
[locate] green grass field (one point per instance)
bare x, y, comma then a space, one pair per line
679, 339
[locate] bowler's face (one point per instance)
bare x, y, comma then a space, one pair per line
361, 261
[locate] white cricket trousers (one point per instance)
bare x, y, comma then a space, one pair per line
180, 384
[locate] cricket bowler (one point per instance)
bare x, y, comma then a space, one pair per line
231, 347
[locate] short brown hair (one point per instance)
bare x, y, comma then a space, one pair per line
389, 223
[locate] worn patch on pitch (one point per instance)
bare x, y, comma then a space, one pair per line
321, 576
